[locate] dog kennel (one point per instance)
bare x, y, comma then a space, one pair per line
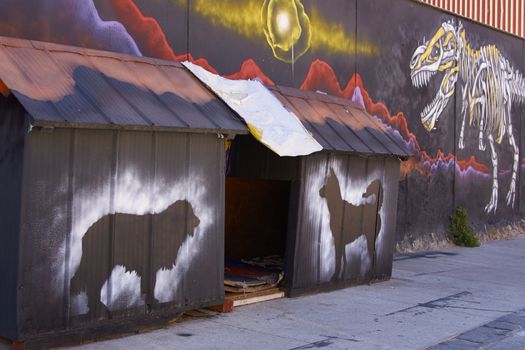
125, 187
112, 180
333, 211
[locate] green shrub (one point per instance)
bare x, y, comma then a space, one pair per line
460, 232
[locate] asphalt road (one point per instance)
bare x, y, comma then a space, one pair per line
457, 298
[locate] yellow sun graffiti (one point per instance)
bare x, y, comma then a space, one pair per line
285, 24
286, 28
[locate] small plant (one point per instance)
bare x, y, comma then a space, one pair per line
460, 231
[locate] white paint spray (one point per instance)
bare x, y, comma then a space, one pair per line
319, 216
135, 194
125, 289
79, 304
357, 254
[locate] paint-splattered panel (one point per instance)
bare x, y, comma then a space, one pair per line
88, 256
128, 285
345, 233
309, 220
13, 128
45, 221
171, 154
97, 207
203, 280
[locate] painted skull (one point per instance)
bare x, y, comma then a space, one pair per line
439, 54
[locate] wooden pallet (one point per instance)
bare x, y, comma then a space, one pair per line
233, 300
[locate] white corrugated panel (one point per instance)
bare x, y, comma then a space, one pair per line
267, 119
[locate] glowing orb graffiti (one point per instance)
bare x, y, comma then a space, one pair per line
287, 28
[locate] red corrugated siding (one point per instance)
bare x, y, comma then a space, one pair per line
507, 15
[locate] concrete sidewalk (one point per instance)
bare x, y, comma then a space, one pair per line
432, 298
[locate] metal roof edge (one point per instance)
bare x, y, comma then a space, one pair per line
69, 125
54, 47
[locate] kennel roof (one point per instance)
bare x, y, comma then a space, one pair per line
339, 124
76, 87
292, 122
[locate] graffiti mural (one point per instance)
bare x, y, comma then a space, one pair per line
170, 229
345, 219
490, 86
286, 28
334, 47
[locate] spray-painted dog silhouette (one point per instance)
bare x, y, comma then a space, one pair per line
347, 220
141, 243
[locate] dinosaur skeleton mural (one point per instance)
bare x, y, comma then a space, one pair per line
489, 87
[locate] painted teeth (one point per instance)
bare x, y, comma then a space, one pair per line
428, 108
421, 79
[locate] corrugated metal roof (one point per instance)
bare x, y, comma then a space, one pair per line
338, 124
76, 87
506, 15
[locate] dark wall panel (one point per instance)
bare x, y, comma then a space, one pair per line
13, 128
256, 217
250, 158
46, 215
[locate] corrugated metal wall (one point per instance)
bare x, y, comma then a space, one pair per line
107, 214
323, 229
507, 15
340, 201
13, 127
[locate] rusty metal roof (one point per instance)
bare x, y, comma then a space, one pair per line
69, 86
338, 124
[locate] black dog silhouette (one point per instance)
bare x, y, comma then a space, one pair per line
141, 243
348, 222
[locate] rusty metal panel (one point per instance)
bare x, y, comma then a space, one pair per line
339, 124
13, 128
71, 86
